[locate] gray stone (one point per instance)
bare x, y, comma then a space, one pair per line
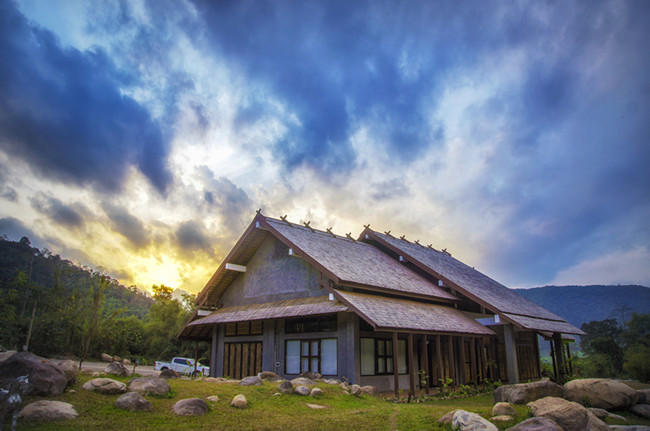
251, 381
302, 381
356, 390
45, 378
310, 375
301, 390
601, 393
190, 407
286, 387
523, 393
642, 410
316, 406
105, 386
126, 361
133, 402
45, 411
6, 355
70, 369
169, 374
270, 376
501, 418
568, 415
316, 392
117, 369
213, 398
447, 418
332, 381
599, 413
629, 427
503, 409
150, 385
536, 424
239, 401
643, 396
467, 421
106, 357
617, 417
370, 390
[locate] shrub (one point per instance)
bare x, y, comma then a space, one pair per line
637, 362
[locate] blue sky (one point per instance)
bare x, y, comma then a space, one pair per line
141, 136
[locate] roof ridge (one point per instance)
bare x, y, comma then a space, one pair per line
307, 227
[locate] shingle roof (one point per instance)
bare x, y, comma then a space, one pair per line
402, 314
356, 263
472, 283
544, 325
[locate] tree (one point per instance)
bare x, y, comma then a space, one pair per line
102, 282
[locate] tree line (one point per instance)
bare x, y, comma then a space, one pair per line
55, 308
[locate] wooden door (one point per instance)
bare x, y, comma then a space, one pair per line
242, 359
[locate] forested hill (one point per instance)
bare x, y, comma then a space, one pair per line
582, 304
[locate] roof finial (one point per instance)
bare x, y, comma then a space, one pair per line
417, 241
329, 230
444, 250
387, 232
367, 226
349, 235
430, 245
402, 237
284, 219
307, 226
259, 211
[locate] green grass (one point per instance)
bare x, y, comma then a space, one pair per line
265, 411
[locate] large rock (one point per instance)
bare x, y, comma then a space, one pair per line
303, 381
316, 393
536, 424
190, 407
270, 376
169, 374
45, 411
642, 410
133, 402
502, 408
601, 393
523, 393
239, 401
117, 369
356, 390
643, 396
370, 390
301, 390
69, 367
251, 381
467, 421
447, 418
286, 387
106, 357
310, 375
45, 378
567, 414
6, 355
150, 385
105, 386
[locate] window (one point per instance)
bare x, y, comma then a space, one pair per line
377, 356
318, 356
311, 324
253, 327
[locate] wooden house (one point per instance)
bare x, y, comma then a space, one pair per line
374, 310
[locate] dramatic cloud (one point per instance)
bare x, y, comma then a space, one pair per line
126, 224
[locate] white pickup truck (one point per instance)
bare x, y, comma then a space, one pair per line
183, 366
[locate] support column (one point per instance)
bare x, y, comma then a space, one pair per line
482, 361
395, 364
452, 362
568, 357
474, 362
213, 352
441, 367
268, 346
462, 379
559, 353
511, 354
220, 346
411, 365
553, 358
425, 351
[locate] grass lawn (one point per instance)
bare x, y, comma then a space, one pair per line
265, 411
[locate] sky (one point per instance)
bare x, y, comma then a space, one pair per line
142, 136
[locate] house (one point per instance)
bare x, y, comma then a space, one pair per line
374, 310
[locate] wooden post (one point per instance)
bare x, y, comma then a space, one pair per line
511, 354
452, 362
196, 357
539, 359
482, 359
559, 355
473, 364
553, 358
425, 351
495, 353
213, 353
462, 378
395, 364
411, 365
569, 361
441, 369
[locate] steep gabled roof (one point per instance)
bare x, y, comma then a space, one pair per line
475, 285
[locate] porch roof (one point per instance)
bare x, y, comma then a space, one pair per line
543, 325
394, 314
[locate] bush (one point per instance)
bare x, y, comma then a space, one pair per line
637, 362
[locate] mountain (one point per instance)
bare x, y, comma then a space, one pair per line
583, 304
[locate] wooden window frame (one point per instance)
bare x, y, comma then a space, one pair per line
386, 356
309, 356
248, 328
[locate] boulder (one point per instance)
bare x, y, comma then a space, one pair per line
568, 415
150, 385
303, 381
133, 402
45, 378
117, 358
642, 410
286, 387
45, 411
356, 390
6, 355
599, 413
105, 386
213, 398
447, 418
601, 393
316, 393
251, 381
106, 357
126, 361
190, 407
310, 375
536, 424
503, 409
239, 401
170, 374
467, 421
370, 390
643, 396
523, 393
270, 375
117, 369
301, 390
332, 381
70, 369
